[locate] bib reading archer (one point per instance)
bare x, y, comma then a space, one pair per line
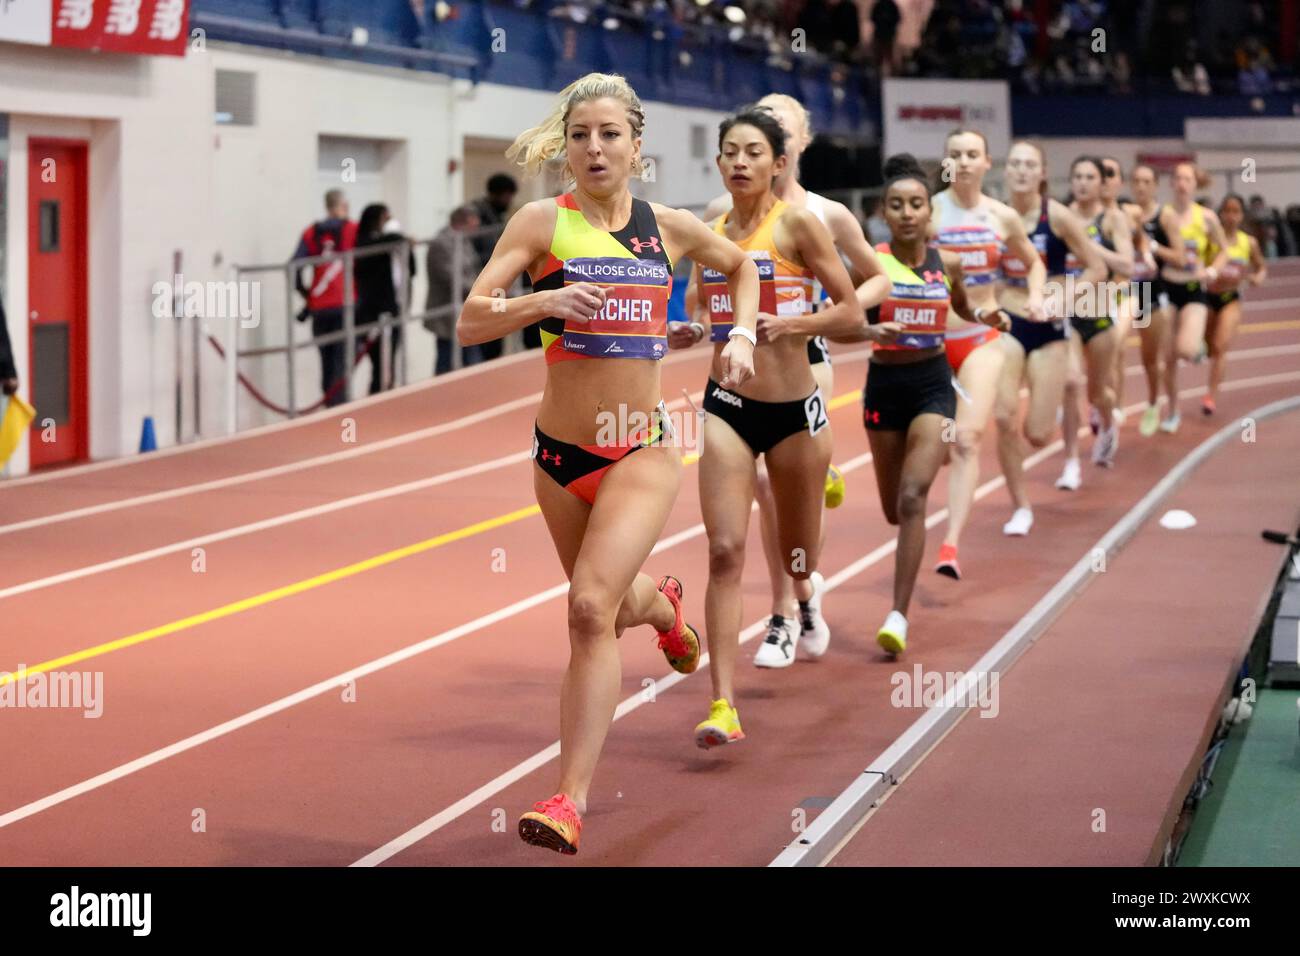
634, 320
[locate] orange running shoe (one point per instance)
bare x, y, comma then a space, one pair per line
554, 824
948, 562
681, 645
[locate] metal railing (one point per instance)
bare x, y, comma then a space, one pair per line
401, 252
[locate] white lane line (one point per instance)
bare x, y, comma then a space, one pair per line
518, 772
263, 525
674, 358
368, 449
322, 687
262, 430
276, 521
395, 441
330, 684
841, 821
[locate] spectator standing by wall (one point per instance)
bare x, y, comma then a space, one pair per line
493, 210
452, 253
324, 293
885, 17
377, 290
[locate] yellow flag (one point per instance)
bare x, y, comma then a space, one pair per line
18, 417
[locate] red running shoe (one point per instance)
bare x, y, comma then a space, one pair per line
681, 645
554, 824
948, 562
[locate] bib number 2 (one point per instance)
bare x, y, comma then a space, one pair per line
815, 408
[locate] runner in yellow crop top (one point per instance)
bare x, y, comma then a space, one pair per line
781, 414
1186, 270
599, 285
1245, 266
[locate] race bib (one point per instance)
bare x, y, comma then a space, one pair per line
634, 321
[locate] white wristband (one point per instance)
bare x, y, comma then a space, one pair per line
698, 329
743, 333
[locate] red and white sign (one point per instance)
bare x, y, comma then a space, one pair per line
149, 27
919, 114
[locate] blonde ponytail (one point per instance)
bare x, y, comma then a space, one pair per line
545, 142
786, 101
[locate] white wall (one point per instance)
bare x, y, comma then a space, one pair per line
149, 186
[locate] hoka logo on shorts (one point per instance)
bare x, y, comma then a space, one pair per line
730, 398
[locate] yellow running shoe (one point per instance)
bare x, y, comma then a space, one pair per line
893, 634
554, 824
722, 727
834, 487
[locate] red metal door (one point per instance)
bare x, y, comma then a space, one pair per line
56, 284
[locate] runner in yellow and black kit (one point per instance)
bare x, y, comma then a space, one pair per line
600, 263
1245, 266
1095, 341
780, 415
1187, 269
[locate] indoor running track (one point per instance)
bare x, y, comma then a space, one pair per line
324, 651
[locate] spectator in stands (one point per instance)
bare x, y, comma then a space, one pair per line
1268, 239
377, 290
1253, 77
1258, 210
885, 17
1190, 75
493, 211
324, 294
452, 254
8, 371
1293, 227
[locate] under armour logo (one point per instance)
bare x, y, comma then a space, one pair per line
547, 456
930, 276
873, 417
652, 244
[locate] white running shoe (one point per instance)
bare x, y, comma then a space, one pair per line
892, 635
777, 649
1170, 425
1071, 476
1021, 521
815, 633
1105, 447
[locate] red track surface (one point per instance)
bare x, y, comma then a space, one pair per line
327, 780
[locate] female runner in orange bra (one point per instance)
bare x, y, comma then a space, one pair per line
601, 265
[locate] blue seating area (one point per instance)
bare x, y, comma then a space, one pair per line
685, 64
